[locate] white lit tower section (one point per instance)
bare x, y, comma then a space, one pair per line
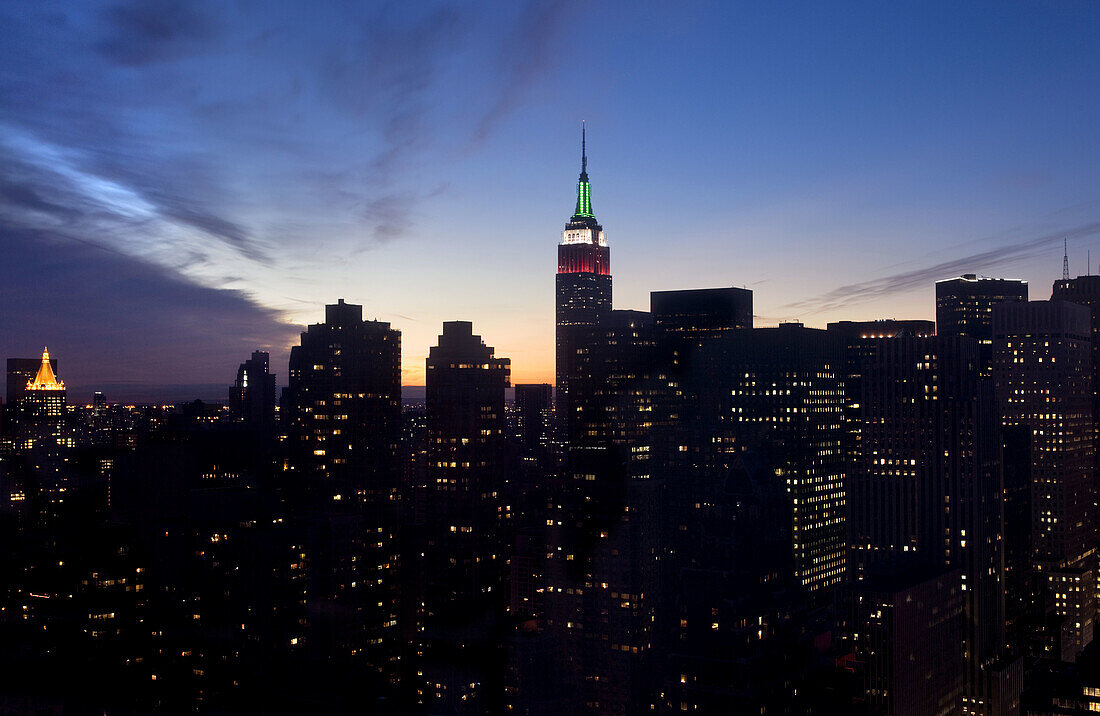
583, 285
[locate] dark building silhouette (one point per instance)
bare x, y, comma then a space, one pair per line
784, 388
583, 288
859, 339
926, 490
1060, 689
20, 372
909, 649
534, 409
342, 477
460, 666
343, 407
854, 331
601, 571
1085, 290
747, 447
964, 307
1016, 510
222, 566
1042, 371
252, 397
696, 313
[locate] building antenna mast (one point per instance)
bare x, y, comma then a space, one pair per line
1065, 260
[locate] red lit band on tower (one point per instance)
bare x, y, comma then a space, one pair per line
584, 258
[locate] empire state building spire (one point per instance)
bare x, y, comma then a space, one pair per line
584, 200
583, 284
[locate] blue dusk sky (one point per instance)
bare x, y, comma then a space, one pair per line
182, 182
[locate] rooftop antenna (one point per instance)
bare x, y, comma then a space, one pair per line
1065, 259
584, 151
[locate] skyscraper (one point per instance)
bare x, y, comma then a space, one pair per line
1043, 384
859, 339
602, 564
583, 285
533, 403
925, 488
753, 515
781, 391
964, 307
343, 426
464, 600
42, 436
909, 643
41, 420
20, 372
1085, 290
695, 313
343, 406
252, 397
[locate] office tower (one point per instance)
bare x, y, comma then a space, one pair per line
461, 668
533, 411
909, 647
859, 339
100, 410
926, 490
343, 425
252, 397
601, 571
781, 391
732, 613
1016, 510
1043, 384
919, 419
855, 331
753, 517
700, 312
533, 406
1085, 290
1060, 689
583, 286
43, 406
964, 307
20, 372
344, 407
42, 437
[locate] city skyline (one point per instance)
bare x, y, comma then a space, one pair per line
159, 225
303, 416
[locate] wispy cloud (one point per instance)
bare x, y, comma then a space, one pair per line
45, 187
523, 56
902, 282
142, 33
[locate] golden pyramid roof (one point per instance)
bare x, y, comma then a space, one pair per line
45, 380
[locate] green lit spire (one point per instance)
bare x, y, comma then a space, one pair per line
584, 200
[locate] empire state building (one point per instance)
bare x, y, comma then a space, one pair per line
583, 285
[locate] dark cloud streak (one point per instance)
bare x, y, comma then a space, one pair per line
902, 282
524, 56
142, 33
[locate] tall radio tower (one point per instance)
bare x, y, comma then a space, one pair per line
1065, 259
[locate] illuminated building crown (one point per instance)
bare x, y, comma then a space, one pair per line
45, 380
584, 199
